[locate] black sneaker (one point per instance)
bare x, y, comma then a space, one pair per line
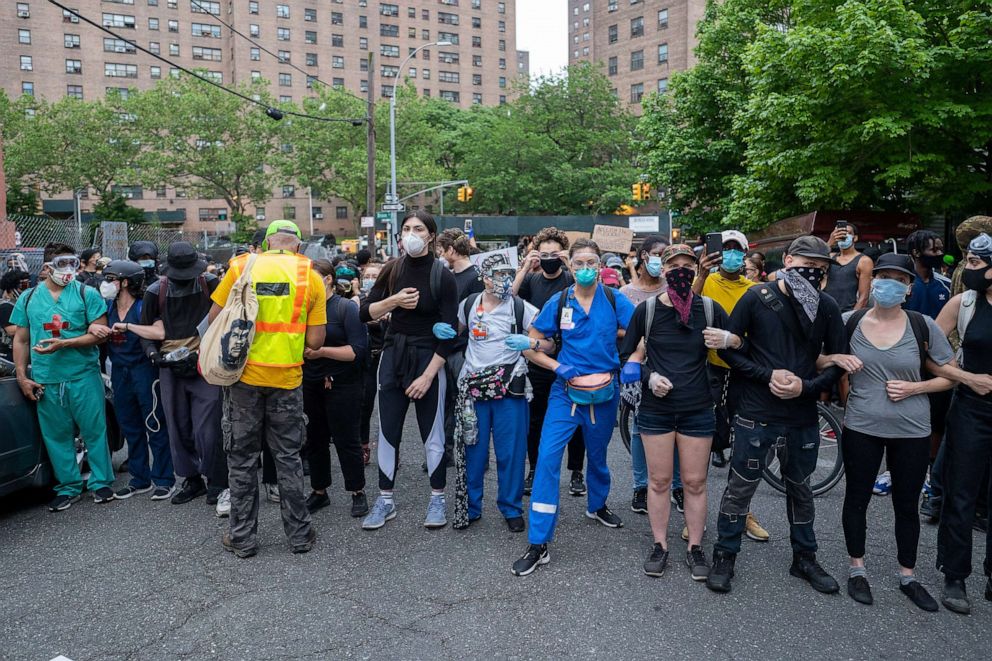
721, 572
955, 597
193, 488
919, 596
316, 501
859, 590
306, 546
537, 554
678, 499
529, 482
359, 504
719, 459
515, 523
128, 491
103, 495
639, 503
62, 502
657, 561
606, 517
805, 566
163, 493
695, 559
213, 495
577, 487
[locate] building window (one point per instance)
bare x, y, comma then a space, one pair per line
502, 44
387, 91
153, 24
447, 57
476, 60
502, 82
253, 7
254, 54
500, 7
173, 48
363, 21
27, 64
289, 190
111, 45
116, 21
502, 99
285, 98
253, 30
662, 85
285, 80
71, 40
501, 26
156, 72
206, 30
636, 92
27, 88
477, 22
337, 82
24, 36
289, 212
363, 43
448, 76
637, 60
337, 40
310, 15
74, 66
75, 91
389, 71
477, 79
426, 73
387, 30
502, 63
204, 7
446, 18
662, 53
388, 9
282, 11
613, 34
114, 70
448, 36
311, 59
476, 99
282, 34
67, 16
363, 86
310, 37
337, 18
637, 27
450, 95
611, 5
341, 213
23, 10
612, 66
389, 51
662, 19
337, 62
173, 26
211, 54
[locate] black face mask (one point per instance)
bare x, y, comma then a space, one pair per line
932, 261
551, 265
813, 274
975, 279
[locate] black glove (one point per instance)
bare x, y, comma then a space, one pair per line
155, 357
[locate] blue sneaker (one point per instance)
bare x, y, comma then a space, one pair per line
883, 484
435, 512
382, 511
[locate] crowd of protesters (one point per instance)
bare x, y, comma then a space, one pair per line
715, 354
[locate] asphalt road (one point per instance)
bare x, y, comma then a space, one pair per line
143, 580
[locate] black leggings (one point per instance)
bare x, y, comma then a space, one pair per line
541, 381
907, 460
334, 413
371, 389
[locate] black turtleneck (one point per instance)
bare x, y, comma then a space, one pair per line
418, 322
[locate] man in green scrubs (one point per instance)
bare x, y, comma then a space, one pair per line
52, 322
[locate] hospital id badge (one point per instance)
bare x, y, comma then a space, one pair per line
480, 331
566, 322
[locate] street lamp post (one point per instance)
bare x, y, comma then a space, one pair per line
393, 197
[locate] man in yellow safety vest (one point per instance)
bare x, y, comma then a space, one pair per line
268, 401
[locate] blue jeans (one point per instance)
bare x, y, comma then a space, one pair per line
639, 464
797, 449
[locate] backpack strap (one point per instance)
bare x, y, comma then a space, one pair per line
518, 314
921, 331
610, 296
163, 289
852, 324
708, 310
467, 306
966, 312
436, 269
649, 306
768, 297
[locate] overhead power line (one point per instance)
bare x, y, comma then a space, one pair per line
271, 111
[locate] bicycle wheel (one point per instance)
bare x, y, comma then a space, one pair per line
624, 417
829, 460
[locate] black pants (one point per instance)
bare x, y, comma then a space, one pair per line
541, 381
371, 388
334, 414
724, 410
906, 459
268, 465
967, 456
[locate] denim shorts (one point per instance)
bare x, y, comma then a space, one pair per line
700, 423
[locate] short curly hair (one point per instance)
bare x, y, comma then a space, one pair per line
457, 239
551, 234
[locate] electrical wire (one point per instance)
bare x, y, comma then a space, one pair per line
267, 51
274, 113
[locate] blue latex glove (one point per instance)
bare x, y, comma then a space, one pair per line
443, 331
518, 342
566, 372
631, 372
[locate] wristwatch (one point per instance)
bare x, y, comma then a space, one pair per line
536, 346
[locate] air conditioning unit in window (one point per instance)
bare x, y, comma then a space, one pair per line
120, 49
24, 13
259, 216
318, 216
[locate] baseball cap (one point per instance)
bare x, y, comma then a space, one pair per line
810, 246
891, 261
609, 276
736, 236
282, 226
675, 250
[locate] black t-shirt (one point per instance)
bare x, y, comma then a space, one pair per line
6, 341
772, 341
343, 328
418, 322
537, 289
186, 306
675, 352
469, 282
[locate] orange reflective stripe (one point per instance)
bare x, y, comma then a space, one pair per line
261, 364
280, 327
302, 279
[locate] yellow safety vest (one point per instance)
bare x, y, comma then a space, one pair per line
280, 280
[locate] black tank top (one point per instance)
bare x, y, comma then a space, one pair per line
977, 344
842, 283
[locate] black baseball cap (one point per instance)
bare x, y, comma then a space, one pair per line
812, 247
891, 261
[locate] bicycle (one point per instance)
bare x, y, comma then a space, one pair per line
829, 461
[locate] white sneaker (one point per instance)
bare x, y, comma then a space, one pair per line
272, 493
224, 503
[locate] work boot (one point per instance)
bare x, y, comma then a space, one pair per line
805, 566
753, 529
721, 572
955, 597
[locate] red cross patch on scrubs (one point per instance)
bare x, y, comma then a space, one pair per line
56, 325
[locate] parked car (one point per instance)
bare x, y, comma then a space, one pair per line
23, 460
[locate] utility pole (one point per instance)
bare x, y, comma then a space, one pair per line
370, 146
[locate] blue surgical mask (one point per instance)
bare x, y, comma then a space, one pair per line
846, 243
888, 293
586, 276
146, 263
733, 260
653, 266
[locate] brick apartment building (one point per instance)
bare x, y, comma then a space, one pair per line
640, 43
49, 53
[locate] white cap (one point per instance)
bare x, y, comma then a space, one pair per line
736, 236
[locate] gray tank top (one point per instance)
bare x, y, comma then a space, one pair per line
842, 283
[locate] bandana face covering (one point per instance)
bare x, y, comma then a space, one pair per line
680, 291
800, 282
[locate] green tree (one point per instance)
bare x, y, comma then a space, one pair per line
28, 147
114, 207
22, 200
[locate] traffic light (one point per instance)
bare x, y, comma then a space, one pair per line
465, 193
636, 191
645, 191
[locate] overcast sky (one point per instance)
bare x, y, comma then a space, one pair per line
542, 29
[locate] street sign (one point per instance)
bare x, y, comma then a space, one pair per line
383, 215
368, 221
393, 207
643, 223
